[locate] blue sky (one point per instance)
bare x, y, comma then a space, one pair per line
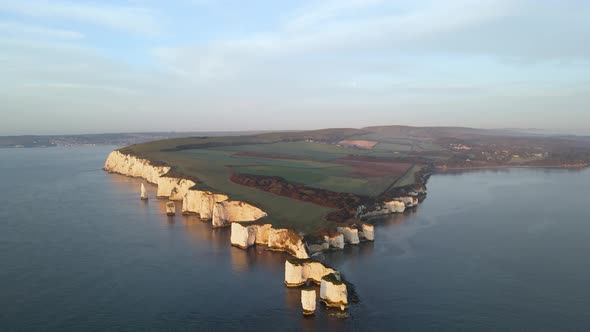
204, 65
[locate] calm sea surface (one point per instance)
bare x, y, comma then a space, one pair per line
487, 251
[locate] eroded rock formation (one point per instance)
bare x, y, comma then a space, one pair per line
262, 231
409, 201
227, 212
170, 208
395, 206
201, 203
242, 236
367, 232
118, 162
351, 235
143, 192
308, 301
299, 271
286, 240
173, 188
336, 241
333, 292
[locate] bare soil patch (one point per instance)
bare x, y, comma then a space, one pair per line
264, 155
372, 167
361, 144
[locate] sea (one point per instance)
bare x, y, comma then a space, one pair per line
496, 250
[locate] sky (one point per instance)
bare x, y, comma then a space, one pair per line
217, 65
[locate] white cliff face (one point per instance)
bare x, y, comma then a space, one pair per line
294, 275
326, 243
286, 240
201, 203
409, 201
227, 212
298, 272
308, 301
242, 236
395, 206
246, 236
173, 188
316, 271
262, 232
170, 208
337, 241
118, 162
351, 235
333, 292
368, 232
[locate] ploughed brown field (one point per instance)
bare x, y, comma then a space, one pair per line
361, 144
371, 167
264, 155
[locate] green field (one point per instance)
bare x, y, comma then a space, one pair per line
311, 159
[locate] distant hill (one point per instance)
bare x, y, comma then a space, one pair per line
118, 139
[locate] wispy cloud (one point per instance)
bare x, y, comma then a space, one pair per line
30, 31
340, 62
132, 19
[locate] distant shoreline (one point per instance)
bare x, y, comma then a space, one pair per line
442, 169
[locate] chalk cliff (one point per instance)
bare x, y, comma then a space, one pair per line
118, 162
206, 204
173, 188
286, 240
409, 201
367, 232
262, 232
333, 292
336, 241
242, 236
201, 203
351, 235
395, 207
227, 212
308, 301
298, 271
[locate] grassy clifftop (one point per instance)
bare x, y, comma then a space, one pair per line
279, 171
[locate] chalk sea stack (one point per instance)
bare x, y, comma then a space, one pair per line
351, 235
170, 208
333, 292
143, 194
243, 236
336, 241
368, 232
308, 301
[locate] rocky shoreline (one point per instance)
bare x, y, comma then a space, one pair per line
246, 232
